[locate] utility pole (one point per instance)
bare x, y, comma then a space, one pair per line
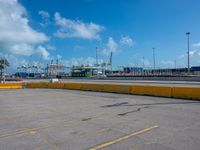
47, 70
57, 68
111, 55
175, 64
188, 44
154, 60
143, 61
97, 56
4, 65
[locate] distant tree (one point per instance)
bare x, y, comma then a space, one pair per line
3, 64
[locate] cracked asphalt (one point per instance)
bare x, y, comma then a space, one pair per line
56, 119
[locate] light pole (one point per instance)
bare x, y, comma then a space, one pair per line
143, 61
97, 56
143, 64
175, 64
154, 59
188, 44
4, 65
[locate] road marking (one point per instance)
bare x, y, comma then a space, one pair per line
106, 144
11, 117
24, 131
104, 131
34, 130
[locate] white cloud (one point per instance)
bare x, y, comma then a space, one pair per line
58, 56
43, 52
16, 35
22, 49
45, 18
76, 29
50, 47
44, 14
196, 44
193, 53
89, 61
168, 63
111, 46
127, 41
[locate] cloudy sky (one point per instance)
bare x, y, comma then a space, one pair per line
34, 31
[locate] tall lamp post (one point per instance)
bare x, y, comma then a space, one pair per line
188, 44
97, 56
154, 59
4, 70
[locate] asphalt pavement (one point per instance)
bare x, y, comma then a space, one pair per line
56, 119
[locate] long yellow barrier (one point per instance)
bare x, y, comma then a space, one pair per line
73, 86
92, 87
11, 86
115, 88
37, 85
151, 90
56, 85
186, 92
162, 91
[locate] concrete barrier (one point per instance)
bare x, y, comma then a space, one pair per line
186, 92
92, 87
115, 88
11, 86
73, 86
37, 85
56, 85
151, 90
162, 91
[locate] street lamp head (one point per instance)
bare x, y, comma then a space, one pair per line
188, 33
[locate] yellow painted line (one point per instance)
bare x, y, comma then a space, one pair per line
68, 123
104, 131
106, 144
33, 130
25, 131
11, 117
98, 115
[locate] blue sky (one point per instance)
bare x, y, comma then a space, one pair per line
71, 29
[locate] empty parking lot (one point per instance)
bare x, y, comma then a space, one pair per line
45, 119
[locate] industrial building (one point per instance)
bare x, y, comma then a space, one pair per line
82, 71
